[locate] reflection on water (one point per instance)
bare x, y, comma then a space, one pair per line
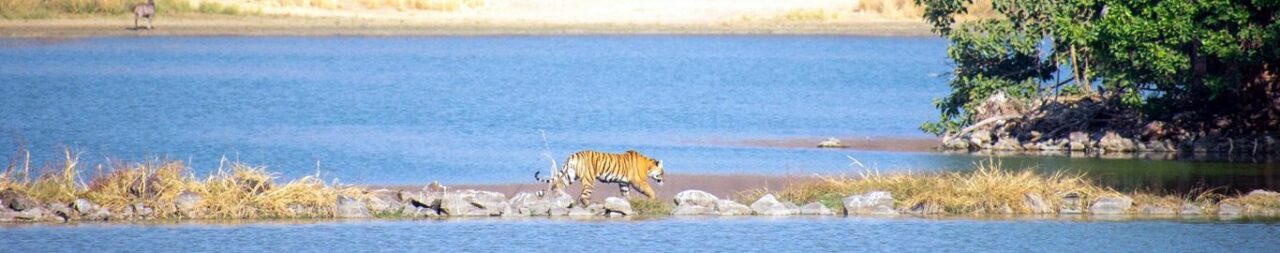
664, 234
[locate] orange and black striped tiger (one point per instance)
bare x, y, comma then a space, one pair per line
629, 169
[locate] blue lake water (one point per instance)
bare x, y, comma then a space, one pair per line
750, 234
408, 110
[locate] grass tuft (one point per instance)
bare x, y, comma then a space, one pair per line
646, 206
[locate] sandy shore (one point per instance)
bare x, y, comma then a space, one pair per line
722, 185
895, 144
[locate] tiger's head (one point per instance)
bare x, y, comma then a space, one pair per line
655, 171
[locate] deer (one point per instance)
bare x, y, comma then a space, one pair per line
147, 10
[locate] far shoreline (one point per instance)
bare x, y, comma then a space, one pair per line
201, 25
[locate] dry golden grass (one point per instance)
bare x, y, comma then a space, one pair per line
984, 189
234, 191
811, 15
645, 206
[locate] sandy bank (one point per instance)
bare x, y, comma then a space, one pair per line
897, 144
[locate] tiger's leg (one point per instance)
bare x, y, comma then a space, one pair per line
626, 190
585, 197
645, 189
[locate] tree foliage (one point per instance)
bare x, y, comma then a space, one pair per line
1206, 62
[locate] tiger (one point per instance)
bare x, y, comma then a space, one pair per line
628, 170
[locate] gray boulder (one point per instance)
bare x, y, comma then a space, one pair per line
455, 205
1189, 209
349, 207
815, 208
558, 211
926, 208
729, 207
769, 205
1228, 209
30, 214
1036, 204
617, 205
490, 203
60, 210
138, 211
1071, 204
187, 203
1111, 205
831, 143
561, 200
17, 201
1154, 210
696, 198
688, 210
384, 200
83, 206
101, 214
873, 203
580, 212
1263, 193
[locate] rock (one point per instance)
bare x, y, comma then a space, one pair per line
954, 143
558, 211
815, 208
1071, 204
349, 207
927, 208
83, 206
686, 210
979, 138
696, 198
30, 214
101, 214
1263, 193
384, 200
769, 205
875, 203
142, 211
1111, 205
17, 201
525, 203
1113, 142
831, 143
1079, 141
1036, 204
1189, 209
1007, 144
729, 207
579, 212
1228, 209
493, 203
187, 203
617, 205
60, 210
561, 200
455, 205
1154, 210
420, 199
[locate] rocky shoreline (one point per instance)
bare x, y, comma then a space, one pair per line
1086, 125
384, 203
